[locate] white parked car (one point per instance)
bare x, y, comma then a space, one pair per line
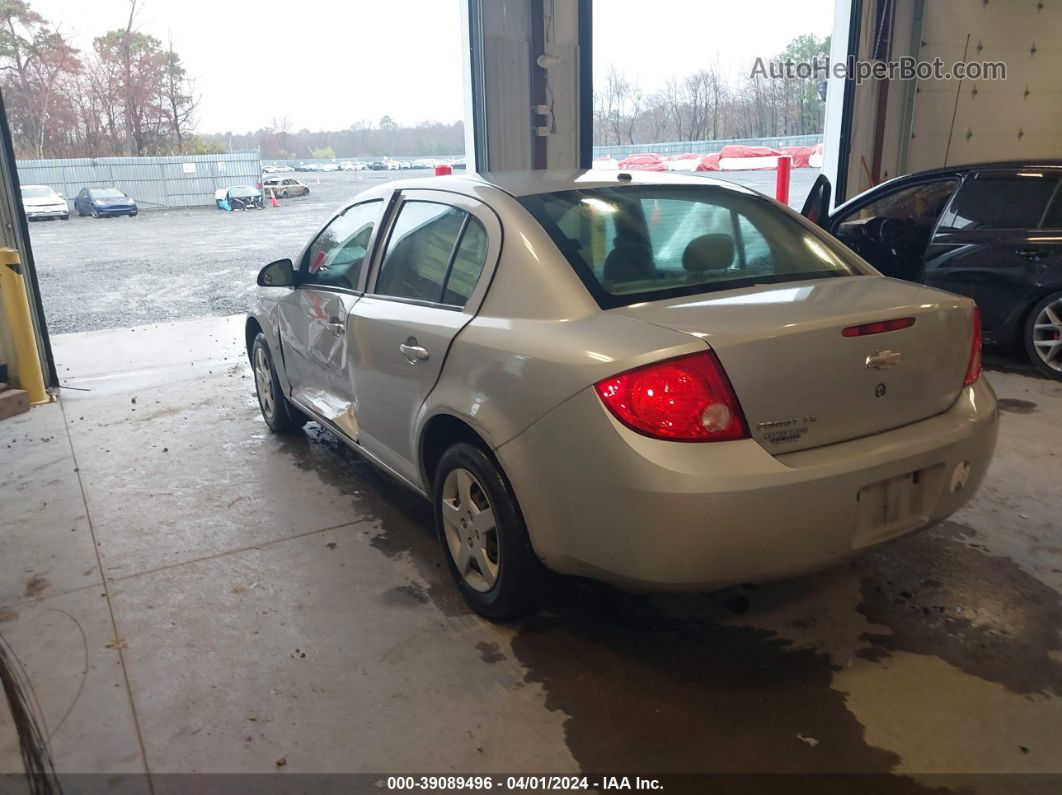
41, 203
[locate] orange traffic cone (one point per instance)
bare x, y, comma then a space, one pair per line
273, 198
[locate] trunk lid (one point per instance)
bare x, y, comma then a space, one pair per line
800, 382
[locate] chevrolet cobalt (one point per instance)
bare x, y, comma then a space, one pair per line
667, 383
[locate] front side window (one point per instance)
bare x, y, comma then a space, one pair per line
337, 256
1009, 201
649, 242
893, 232
420, 250
922, 203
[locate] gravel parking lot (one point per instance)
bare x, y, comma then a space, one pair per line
167, 265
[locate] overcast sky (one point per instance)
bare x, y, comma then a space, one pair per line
334, 63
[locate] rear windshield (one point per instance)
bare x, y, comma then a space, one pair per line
645, 243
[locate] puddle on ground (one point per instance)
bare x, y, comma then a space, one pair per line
404, 519
980, 612
1015, 406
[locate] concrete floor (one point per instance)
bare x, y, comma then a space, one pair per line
189, 592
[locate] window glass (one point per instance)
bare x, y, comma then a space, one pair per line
636, 243
1053, 220
338, 254
419, 251
1011, 202
468, 264
921, 204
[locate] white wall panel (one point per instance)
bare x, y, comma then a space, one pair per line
993, 120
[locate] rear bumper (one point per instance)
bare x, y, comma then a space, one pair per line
604, 502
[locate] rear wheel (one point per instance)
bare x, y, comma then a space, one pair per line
277, 412
1043, 336
483, 535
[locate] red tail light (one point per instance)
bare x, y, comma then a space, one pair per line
973, 366
688, 399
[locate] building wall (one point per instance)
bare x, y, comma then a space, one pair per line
1018, 118
155, 182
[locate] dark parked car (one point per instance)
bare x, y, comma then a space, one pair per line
378, 165
990, 231
99, 202
238, 197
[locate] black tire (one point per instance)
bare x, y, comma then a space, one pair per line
283, 194
1030, 334
66, 217
514, 591
306, 192
277, 411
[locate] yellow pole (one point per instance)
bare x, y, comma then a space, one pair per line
20, 324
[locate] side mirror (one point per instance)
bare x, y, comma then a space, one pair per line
817, 207
277, 274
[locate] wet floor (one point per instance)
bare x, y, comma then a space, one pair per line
221, 598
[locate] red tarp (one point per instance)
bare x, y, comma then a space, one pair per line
801, 155
642, 162
748, 151
710, 162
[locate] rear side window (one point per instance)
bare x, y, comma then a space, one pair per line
650, 242
337, 256
435, 254
1000, 202
468, 264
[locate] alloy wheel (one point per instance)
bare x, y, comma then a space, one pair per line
263, 378
1047, 335
471, 529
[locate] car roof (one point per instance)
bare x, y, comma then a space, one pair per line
946, 171
529, 183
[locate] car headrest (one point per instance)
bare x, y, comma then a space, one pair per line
708, 253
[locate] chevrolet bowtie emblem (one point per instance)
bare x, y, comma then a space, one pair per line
882, 360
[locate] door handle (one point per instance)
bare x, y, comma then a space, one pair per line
1033, 254
336, 327
412, 351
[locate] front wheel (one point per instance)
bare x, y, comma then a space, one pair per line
483, 535
277, 412
1043, 336
95, 213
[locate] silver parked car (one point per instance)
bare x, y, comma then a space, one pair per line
663, 382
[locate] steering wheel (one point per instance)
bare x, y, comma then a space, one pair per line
889, 234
